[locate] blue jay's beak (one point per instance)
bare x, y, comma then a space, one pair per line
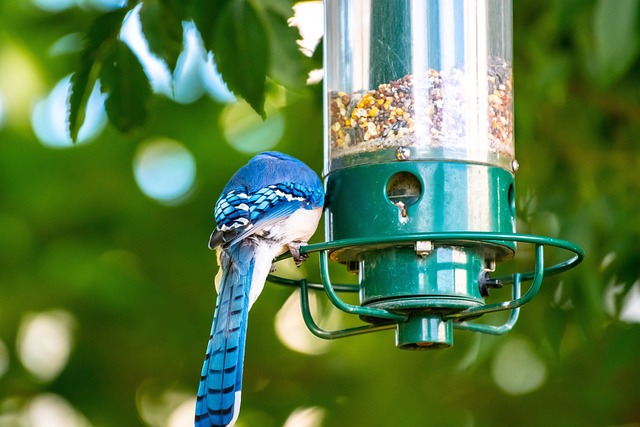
215, 240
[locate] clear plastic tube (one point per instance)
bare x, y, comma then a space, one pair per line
429, 76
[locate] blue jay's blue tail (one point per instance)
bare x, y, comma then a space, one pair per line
218, 402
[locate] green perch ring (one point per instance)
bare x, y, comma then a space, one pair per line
431, 326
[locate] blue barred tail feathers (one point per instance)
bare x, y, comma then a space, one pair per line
218, 401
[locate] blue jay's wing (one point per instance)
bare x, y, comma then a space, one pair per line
232, 216
218, 401
240, 213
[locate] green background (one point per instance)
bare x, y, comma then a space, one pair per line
78, 236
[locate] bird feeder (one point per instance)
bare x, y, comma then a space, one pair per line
419, 168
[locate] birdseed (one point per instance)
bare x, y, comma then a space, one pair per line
430, 111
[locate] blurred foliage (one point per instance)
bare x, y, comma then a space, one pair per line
249, 39
79, 235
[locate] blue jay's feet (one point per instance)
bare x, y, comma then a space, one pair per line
273, 268
294, 248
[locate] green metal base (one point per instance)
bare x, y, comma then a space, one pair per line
398, 279
399, 198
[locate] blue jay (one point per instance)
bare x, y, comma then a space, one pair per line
271, 205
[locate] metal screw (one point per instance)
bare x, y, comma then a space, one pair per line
423, 247
515, 165
403, 153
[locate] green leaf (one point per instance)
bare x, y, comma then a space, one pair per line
241, 49
82, 83
205, 14
281, 7
162, 28
128, 88
289, 66
616, 39
100, 40
180, 9
317, 59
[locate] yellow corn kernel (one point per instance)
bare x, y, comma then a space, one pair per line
359, 112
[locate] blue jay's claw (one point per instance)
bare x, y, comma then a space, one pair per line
298, 257
273, 268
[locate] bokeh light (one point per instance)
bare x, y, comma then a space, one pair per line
156, 70
51, 410
49, 117
21, 81
611, 295
54, 5
45, 341
187, 77
630, 310
308, 16
2, 102
103, 4
164, 170
213, 83
60, 5
182, 415
306, 417
162, 406
245, 130
517, 369
195, 72
292, 331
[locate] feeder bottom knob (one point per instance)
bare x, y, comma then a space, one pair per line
424, 331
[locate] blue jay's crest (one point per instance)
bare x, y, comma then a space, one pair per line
277, 201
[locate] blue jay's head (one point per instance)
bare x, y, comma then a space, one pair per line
277, 155
273, 167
